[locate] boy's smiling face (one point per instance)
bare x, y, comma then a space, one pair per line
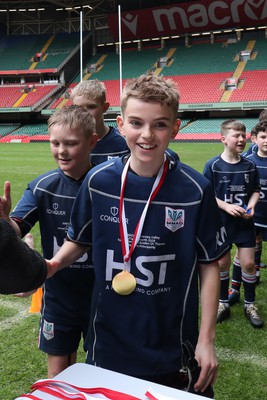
71, 149
148, 128
261, 140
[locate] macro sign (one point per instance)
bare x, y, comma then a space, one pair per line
189, 17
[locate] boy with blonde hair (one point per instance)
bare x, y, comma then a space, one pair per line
156, 232
235, 182
48, 200
91, 94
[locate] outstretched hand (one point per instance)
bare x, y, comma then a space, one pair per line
5, 201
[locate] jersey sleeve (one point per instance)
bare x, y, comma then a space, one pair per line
212, 241
207, 172
81, 217
256, 180
26, 211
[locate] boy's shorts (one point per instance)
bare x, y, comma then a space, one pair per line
261, 231
60, 339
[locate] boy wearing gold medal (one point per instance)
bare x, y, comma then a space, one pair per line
155, 230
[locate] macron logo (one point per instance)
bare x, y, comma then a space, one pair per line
255, 7
131, 22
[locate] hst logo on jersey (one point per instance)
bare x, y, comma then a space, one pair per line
174, 219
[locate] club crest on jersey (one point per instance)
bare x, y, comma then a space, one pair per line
174, 219
246, 176
48, 330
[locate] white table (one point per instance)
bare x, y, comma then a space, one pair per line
84, 375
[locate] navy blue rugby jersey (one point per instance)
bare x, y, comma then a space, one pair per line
140, 334
260, 216
253, 148
49, 199
234, 184
110, 146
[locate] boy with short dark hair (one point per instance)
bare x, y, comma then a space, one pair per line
155, 229
235, 182
48, 200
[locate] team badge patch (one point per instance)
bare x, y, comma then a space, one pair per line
174, 219
48, 330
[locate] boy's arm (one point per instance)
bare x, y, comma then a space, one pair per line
205, 351
233, 209
254, 198
67, 254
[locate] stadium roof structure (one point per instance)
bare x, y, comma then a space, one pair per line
39, 16
96, 5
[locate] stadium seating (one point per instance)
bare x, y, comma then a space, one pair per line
208, 129
18, 51
25, 133
6, 129
200, 70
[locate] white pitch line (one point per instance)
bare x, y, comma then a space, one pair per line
241, 357
22, 311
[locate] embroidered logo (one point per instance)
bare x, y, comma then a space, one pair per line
174, 219
48, 330
246, 176
114, 211
130, 21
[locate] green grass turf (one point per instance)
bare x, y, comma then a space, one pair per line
242, 350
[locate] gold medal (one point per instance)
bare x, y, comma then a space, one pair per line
124, 283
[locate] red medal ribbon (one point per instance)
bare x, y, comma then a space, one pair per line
126, 251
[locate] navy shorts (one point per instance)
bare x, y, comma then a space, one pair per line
60, 339
261, 231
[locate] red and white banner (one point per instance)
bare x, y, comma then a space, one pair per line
197, 16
